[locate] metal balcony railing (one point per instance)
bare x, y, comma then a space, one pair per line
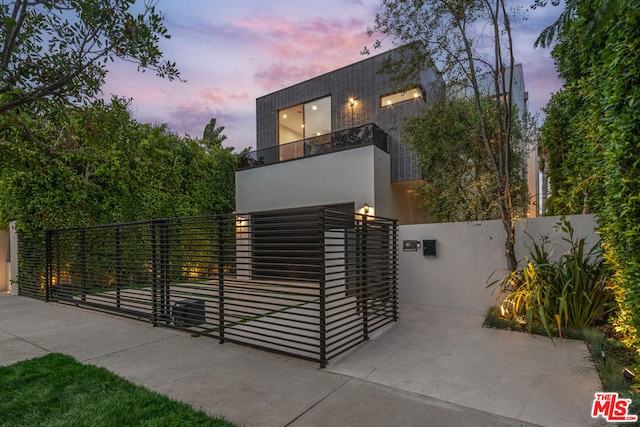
361, 136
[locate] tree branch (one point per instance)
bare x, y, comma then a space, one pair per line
18, 16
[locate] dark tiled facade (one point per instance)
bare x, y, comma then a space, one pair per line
362, 82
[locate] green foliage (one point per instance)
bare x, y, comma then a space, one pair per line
597, 341
100, 166
494, 319
57, 390
573, 291
458, 181
610, 358
566, 157
59, 50
212, 136
600, 66
444, 34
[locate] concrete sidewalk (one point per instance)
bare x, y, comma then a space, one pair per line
435, 367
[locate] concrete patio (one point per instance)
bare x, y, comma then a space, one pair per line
435, 367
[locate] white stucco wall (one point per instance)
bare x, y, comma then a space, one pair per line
13, 255
468, 254
4, 265
359, 175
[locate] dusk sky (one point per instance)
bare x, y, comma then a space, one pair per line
232, 52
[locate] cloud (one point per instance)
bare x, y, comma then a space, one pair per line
216, 95
191, 117
280, 74
233, 55
301, 49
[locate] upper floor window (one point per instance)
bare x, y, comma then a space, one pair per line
397, 97
304, 121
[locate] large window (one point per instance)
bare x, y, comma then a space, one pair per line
300, 122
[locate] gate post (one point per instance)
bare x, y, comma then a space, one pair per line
365, 281
118, 266
322, 291
165, 301
49, 265
154, 274
221, 279
83, 264
394, 276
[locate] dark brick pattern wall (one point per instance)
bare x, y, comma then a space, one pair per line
361, 81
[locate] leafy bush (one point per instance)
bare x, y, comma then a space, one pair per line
100, 166
597, 341
573, 291
593, 139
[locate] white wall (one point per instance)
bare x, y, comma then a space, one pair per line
356, 175
13, 255
4, 265
468, 254
405, 204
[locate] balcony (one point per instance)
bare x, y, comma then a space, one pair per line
347, 139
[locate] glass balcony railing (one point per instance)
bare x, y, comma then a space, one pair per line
324, 144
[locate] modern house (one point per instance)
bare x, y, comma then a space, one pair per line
334, 140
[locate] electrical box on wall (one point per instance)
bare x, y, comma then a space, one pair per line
410, 245
429, 247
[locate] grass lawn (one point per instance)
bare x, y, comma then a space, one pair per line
55, 390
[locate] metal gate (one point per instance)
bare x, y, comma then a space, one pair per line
310, 283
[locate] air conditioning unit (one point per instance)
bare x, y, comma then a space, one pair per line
188, 312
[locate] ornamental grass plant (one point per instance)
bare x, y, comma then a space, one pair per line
573, 291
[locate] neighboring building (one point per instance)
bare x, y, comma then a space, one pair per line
335, 140
520, 98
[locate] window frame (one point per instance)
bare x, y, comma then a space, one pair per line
403, 98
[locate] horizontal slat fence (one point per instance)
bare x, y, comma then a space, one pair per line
309, 283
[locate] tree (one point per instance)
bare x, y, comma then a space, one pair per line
457, 182
450, 34
603, 13
58, 50
107, 168
212, 136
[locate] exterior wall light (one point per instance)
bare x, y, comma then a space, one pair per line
240, 221
352, 103
366, 212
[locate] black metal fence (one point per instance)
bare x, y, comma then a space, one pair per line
308, 283
361, 136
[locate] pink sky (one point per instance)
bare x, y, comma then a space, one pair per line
232, 52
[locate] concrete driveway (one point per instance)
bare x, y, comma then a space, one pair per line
435, 367
447, 355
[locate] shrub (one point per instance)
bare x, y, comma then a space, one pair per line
573, 291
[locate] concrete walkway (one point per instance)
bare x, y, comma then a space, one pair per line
435, 367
